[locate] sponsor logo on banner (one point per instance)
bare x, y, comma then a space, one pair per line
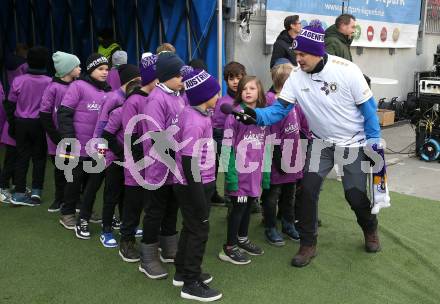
370, 33
383, 34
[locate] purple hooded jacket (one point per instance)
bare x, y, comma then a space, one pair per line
114, 126
50, 102
85, 100
132, 107
219, 118
26, 92
2, 110
163, 108
20, 70
113, 79
248, 142
288, 131
115, 99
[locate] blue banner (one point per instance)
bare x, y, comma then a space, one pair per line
390, 11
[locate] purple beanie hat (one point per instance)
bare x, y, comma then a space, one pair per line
199, 85
147, 67
311, 39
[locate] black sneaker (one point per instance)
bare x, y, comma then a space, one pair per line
199, 291
233, 255
250, 248
128, 251
204, 277
55, 207
116, 223
82, 230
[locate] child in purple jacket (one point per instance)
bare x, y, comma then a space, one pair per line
196, 163
286, 168
164, 105
23, 109
134, 193
232, 74
114, 172
94, 181
77, 117
244, 173
67, 70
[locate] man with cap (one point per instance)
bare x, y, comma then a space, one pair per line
113, 79
196, 163
282, 47
67, 70
23, 112
163, 107
341, 112
134, 193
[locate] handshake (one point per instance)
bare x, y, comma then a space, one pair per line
246, 116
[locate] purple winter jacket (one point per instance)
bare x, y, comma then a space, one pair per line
115, 99
163, 108
26, 92
85, 100
288, 131
113, 79
132, 107
2, 110
20, 70
114, 126
51, 101
248, 142
219, 118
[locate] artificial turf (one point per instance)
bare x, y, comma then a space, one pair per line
41, 262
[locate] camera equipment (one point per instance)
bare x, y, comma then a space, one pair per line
426, 117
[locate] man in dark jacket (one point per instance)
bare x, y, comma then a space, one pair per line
339, 36
282, 47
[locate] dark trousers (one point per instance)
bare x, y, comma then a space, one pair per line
239, 218
160, 214
134, 202
194, 234
218, 137
319, 162
72, 190
7, 173
31, 144
283, 196
94, 182
60, 182
113, 194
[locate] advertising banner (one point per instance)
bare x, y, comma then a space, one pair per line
380, 23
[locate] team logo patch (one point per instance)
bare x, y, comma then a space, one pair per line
325, 88
333, 87
294, 44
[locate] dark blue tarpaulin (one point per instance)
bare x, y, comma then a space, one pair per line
139, 26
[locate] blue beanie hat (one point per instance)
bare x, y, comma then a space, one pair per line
199, 85
168, 65
147, 66
311, 39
